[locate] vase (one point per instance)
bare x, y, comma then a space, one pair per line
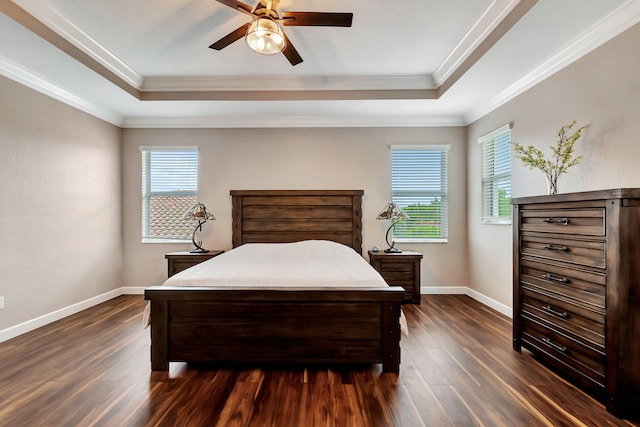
552, 184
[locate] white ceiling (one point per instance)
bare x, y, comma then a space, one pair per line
139, 63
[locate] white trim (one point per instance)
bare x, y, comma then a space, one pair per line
618, 21
491, 135
149, 240
30, 325
497, 11
286, 83
343, 121
168, 147
40, 321
491, 303
18, 74
441, 147
49, 16
465, 290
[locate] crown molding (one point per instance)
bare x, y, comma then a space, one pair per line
490, 19
294, 122
24, 77
624, 17
618, 21
286, 83
50, 17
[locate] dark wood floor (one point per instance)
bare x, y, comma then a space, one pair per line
458, 369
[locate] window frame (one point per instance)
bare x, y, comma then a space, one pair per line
147, 193
490, 201
442, 193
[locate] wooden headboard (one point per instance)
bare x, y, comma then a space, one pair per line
282, 216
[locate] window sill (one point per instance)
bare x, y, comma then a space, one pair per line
421, 240
147, 240
491, 221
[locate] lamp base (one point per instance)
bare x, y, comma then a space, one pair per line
199, 251
392, 250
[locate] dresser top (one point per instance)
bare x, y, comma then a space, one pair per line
615, 193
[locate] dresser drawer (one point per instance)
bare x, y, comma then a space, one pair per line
580, 360
580, 324
582, 252
589, 222
585, 288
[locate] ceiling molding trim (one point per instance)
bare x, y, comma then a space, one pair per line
283, 83
20, 75
50, 17
31, 23
618, 21
520, 10
302, 95
293, 122
490, 19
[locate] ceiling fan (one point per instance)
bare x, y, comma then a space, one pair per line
264, 34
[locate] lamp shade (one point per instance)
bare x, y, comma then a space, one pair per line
265, 37
199, 212
392, 211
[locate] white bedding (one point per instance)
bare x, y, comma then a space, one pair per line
310, 263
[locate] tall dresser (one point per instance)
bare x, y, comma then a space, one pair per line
576, 289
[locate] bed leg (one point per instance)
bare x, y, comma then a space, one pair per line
159, 335
391, 338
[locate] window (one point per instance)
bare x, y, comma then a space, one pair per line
419, 188
169, 189
496, 176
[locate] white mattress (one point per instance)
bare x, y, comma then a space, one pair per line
310, 263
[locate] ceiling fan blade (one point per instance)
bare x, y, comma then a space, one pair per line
317, 19
231, 37
245, 8
291, 53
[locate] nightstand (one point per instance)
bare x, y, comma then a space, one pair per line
400, 269
178, 261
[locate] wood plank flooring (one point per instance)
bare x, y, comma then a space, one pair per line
458, 369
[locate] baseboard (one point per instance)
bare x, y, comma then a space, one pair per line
497, 306
465, 290
444, 290
132, 290
30, 325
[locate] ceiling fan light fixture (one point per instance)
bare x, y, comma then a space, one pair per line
265, 37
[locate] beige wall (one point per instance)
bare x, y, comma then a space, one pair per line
242, 159
601, 90
60, 205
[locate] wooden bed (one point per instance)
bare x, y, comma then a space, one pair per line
281, 325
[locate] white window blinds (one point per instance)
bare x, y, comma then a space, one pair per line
169, 189
496, 176
419, 188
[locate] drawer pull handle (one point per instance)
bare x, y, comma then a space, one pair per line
563, 221
553, 345
557, 279
550, 309
556, 248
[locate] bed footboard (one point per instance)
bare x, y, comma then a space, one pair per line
275, 326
